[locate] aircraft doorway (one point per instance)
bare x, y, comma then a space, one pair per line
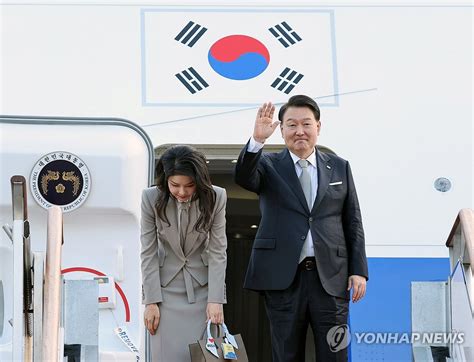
245, 310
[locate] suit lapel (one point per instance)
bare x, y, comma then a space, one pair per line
286, 168
324, 176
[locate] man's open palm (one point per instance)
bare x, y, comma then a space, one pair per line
264, 125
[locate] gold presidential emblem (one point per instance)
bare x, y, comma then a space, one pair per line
66, 176
60, 178
60, 189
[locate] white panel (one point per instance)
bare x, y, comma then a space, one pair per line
118, 160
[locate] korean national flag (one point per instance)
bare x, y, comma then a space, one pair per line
236, 56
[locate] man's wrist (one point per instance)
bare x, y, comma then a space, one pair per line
254, 146
259, 140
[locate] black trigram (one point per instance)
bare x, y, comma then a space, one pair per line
287, 80
285, 34
192, 80
190, 34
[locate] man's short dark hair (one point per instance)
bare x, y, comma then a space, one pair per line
300, 101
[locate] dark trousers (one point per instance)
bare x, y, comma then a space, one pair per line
305, 302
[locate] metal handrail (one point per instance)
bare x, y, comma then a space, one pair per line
52, 285
462, 233
22, 266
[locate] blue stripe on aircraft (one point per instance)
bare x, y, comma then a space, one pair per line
387, 304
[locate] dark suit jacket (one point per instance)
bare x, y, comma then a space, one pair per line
335, 221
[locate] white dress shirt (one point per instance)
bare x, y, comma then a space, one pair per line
254, 147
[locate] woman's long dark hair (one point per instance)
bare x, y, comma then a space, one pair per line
186, 161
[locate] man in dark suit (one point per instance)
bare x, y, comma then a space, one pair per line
309, 251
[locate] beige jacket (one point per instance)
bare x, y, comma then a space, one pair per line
204, 257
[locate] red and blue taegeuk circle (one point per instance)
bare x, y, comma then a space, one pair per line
238, 57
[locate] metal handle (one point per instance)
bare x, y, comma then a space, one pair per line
18, 183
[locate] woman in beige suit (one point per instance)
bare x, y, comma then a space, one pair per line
183, 255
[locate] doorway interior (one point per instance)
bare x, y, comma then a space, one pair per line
245, 310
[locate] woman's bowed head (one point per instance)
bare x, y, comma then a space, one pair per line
182, 173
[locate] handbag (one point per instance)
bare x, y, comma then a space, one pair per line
211, 349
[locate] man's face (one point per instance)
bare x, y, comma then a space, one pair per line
300, 130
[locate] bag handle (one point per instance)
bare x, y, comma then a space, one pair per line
230, 338
211, 345
220, 330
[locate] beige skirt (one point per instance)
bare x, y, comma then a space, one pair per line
181, 323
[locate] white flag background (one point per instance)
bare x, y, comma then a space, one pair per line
163, 56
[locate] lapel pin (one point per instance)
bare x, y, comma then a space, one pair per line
329, 167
